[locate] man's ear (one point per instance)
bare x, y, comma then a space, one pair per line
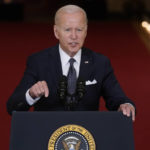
56, 32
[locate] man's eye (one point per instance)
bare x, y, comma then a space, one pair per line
79, 29
67, 29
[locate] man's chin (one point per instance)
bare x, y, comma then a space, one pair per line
74, 49
72, 52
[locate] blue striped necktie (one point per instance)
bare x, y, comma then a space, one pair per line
72, 78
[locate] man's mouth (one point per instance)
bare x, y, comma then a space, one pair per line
73, 44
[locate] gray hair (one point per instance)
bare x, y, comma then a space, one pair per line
69, 9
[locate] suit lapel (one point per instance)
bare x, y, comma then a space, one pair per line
86, 66
55, 65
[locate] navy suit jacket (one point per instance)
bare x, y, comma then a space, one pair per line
46, 65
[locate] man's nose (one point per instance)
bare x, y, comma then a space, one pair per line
73, 35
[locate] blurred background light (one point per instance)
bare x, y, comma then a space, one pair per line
146, 26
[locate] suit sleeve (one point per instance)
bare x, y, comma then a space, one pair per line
17, 101
112, 92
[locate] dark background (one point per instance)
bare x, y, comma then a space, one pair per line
44, 10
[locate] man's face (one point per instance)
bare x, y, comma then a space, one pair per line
71, 30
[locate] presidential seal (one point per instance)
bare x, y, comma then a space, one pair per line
71, 137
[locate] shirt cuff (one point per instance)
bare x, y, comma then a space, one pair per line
30, 100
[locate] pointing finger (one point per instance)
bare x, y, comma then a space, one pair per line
45, 87
133, 114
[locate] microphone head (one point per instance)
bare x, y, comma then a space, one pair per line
62, 89
63, 79
80, 88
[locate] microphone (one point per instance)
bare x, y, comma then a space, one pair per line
62, 90
80, 91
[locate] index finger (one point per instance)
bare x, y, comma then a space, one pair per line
46, 90
133, 114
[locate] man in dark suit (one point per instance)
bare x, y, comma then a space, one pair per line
40, 83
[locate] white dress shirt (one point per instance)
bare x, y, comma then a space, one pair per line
64, 58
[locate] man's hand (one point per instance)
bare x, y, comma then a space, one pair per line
39, 89
127, 110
